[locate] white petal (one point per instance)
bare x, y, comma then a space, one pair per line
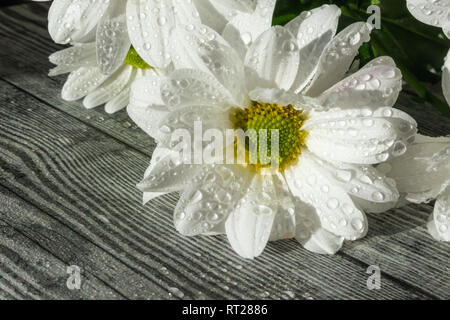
213, 14
372, 86
120, 101
184, 121
150, 23
149, 196
441, 214
73, 58
360, 136
274, 57
146, 107
309, 232
168, 174
440, 160
241, 5
209, 198
249, 226
314, 30
90, 37
284, 224
158, 154
446, 78
320, 241
424, 171
446, 28
71, 20
310, 25
364, 182
434, 13
338, 57
380, 61
203, 49
310, 182
376, 207
245, 27
431, 227
185, 13
186, 87
112, 41
82, 82
112, 87
297, 219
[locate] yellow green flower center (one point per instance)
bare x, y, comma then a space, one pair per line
135, 60
286, 120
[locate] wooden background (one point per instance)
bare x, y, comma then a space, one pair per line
68, 197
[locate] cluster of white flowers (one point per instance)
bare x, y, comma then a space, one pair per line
344, 148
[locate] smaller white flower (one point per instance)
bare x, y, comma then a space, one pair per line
423, 174
435, 13
147, 24
116, 24
103, 70
87, 81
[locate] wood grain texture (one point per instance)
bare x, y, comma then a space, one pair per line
77, 170
51, 241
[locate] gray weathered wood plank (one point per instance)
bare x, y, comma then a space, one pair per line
85, 180
400, 245
51, 243
32, 271
36, 274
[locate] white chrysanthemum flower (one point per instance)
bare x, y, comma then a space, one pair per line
145, 24
423, 174
331, 133
87, 81
103, 71
435, 13
332, 128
